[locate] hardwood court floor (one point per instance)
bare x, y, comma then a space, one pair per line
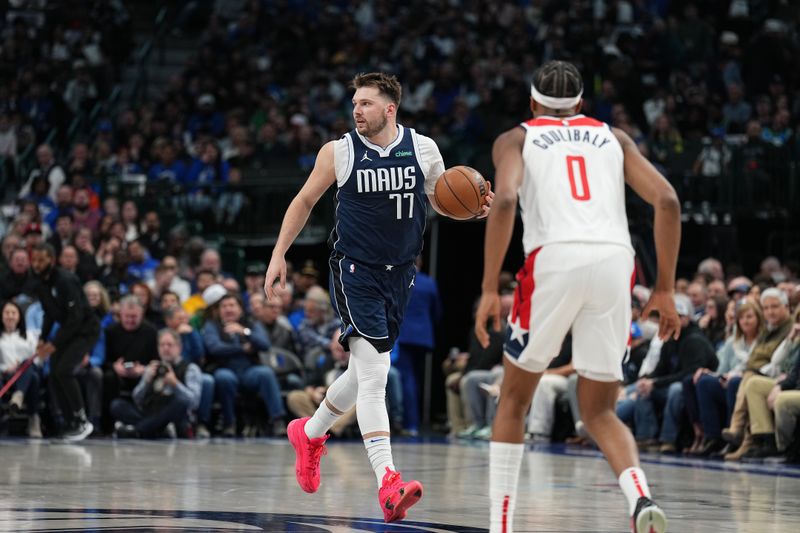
227, 486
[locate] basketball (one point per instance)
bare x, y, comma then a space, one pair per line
460, 192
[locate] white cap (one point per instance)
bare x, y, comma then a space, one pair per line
683, 305
214, 293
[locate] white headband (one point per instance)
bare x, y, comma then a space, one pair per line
555, 103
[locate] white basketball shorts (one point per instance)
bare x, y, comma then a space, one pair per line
585, 287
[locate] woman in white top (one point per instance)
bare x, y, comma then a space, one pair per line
15, 347
716, 391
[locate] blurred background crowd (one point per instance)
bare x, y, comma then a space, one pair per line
155, 148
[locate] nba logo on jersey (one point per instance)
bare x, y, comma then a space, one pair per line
352, 268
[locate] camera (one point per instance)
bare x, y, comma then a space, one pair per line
158, 379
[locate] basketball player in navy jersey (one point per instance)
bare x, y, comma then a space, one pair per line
569, 173
383, 173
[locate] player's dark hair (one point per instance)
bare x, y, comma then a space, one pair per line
386, 84
558, 79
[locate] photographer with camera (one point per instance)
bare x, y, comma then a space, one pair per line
168, 390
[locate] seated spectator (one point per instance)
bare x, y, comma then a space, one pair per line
64, 197
662, 389
712, 323
314, 332
141, 265
167, 391
698, 294
129, 216
16, 346
90, 371
168, 169
151, 237
280, 331
716, 391
552, 385
775, 307
177, 319
484, 367
168, 299
48, 169
151, 313
18, 283
210, 260
453, 369
116, 276
303, 403
198, 303
232, 344
84, 215
166, 277
130, 346
68, 260
762, 393
64, 230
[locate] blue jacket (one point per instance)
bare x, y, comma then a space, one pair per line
226, 350
423, 312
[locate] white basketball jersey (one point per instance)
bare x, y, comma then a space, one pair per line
573, 189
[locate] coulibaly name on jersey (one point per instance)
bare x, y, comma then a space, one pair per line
545, 139
386, 179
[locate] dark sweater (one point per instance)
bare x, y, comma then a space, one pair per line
63, 301
680, 358
139, 345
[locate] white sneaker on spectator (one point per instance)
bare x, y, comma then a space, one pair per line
469, 433
81, 430
485, 433
202, 432
34, 426
170, 432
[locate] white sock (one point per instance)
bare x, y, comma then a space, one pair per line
505, 460
633, 483
379, 451
321, 422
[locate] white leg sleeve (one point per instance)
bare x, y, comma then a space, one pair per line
342, 392
371, 369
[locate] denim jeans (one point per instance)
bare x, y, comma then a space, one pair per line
176, 411
715, 403
481, 407
28, 383
256, 379
206, 400
670, 399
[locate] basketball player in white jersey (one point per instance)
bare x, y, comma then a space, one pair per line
569, 172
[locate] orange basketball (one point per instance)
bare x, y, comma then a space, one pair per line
460, 192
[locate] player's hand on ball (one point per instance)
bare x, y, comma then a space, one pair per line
487, 201
669, 325
275, 270
489, 307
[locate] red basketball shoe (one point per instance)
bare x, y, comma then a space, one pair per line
307, 454
395, 495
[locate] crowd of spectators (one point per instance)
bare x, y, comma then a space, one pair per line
258, 100
726, 388
708, 90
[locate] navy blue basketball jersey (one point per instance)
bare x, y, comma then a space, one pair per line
380, 202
